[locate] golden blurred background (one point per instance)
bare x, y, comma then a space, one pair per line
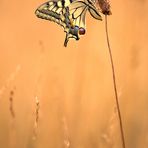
73, 85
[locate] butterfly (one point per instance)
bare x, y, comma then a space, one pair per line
69, 14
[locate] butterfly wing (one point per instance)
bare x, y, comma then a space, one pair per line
78, 11
93, 10
52, 11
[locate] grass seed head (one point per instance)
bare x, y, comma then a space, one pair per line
105, 6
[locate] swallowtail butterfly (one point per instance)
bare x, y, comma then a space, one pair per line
69, 14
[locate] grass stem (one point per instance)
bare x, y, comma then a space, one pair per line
115, 85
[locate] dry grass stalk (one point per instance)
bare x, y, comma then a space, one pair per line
63, 119
115, 86
9, 80
11, 104
12, 130
38, 90
12, 135
106, 10
37, 108
111, 135
67, 143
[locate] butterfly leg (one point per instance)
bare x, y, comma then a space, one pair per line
66, 40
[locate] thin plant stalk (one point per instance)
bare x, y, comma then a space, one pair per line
115, 85
11, 106
37, 109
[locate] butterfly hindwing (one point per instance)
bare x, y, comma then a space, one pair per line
51, 11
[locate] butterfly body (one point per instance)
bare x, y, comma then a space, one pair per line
69, 14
